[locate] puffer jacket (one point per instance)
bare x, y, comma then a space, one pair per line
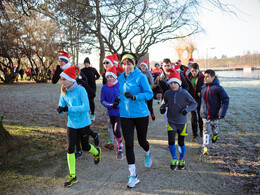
214, 101
137, 84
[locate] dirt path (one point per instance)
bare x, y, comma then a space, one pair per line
110, 176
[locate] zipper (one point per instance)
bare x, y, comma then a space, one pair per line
207, 102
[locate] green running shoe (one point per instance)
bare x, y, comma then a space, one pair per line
174, 164
97, 158
71, 181
205, 151
181, 164
214, 138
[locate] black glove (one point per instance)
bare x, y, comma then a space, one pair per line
184, 112
129, 95
62, 109
116, 101
163, 109
113, 106
80, 81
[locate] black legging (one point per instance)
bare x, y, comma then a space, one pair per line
92, 105
91, 133
171, 138
195, 119
74, 135
128, 125
150, 105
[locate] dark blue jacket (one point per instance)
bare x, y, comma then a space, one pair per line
214, 101
108, 96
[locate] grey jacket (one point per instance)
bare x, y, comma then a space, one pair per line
149, 77
176, 102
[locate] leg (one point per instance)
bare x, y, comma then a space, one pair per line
171, 130
206, 135
200, 122
128, 134
150, 108
110, 144
215, 130
194, 124
92, 106
141, 125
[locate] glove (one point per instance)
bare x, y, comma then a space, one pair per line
62, 109
116, 101
184, 112
80, 81
129, 95
113, 106
163, 109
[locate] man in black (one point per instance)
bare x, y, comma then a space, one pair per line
92, 75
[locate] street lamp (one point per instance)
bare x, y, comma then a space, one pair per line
207, 56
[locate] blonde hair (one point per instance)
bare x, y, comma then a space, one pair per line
63, 90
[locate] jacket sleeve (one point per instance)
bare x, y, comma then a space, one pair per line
192, 104
150, 79
56, 75
62, 102
184, 84
84, 84
103, 98
224, 99
84, 107
97, 76
147, 92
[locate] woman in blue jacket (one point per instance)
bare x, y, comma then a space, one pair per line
134, 92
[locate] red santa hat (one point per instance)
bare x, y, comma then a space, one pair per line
70, 73
174, 76
177, 68
191, 60
64, 55
111, 71
115, 58
145, 63
110, 59
178, 62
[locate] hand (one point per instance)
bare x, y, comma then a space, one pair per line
159, 96
116, 101
80, 81
163, 108
184, 112
62, 109
129, 95
113, 106
199, 94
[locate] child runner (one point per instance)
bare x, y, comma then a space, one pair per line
74, 100
177, 99
109, 99
196, 80
214, 105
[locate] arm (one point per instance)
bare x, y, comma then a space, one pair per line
147, 93
84, 107
56, 75
62, 102
103, 98
191, 102
224, 103
184, 84
89, 90
97, 76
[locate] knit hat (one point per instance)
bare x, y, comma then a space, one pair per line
64, 56
191, 60
111, 71
178, 62
70, 73
174, 76
110, 59
145, 62
177, 68
115, 58
87, 60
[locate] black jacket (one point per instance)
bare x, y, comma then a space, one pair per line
194, 90
92, 75
83, 81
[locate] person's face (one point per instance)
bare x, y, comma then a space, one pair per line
166, 66
65, 82
61, 62
194, 72
127, 66
87, 65
110, 79
208, 79
157, 66
143, 68
174, 86
107, 64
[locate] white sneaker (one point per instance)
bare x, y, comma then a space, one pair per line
133, 180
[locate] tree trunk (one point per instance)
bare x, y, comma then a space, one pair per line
7, 142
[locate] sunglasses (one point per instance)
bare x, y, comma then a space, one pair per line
106, 62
